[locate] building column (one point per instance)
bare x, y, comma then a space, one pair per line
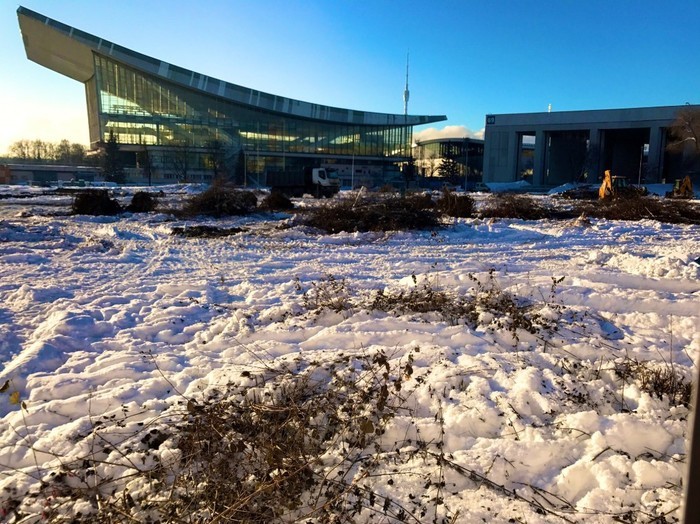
595, 154
655, 160
500, 159
513, 155
539, 158
488, 168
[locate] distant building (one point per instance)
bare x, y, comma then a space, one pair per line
184, 126
467, 153
550, 149
48, 174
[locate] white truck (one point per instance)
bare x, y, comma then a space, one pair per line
316, 181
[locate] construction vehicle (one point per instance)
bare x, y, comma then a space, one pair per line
618, 187
316, 181
682, 188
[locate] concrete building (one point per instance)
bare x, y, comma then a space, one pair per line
48, 174
578, 146
178, 124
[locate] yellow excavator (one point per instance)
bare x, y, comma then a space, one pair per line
617, 187
606, 188
682, 189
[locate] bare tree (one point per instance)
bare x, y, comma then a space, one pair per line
239, 170
145, 162
62, 151
431, 164
684, 132
180, 162
409, 171
77, 153
41, 150
583, 164
217, 159
21, 149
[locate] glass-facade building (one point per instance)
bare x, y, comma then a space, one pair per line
147, 103
467, 153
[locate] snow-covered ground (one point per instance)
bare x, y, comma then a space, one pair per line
100, 316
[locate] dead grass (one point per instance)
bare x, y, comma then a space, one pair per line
510, 205
456, 205
486, 305
663, 381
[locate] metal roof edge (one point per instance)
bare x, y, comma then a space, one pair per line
218, 88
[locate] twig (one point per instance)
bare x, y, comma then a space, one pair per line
607, 448
479, 478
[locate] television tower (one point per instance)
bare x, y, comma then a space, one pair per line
405, 91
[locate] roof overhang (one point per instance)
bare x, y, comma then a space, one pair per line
599, 118
69, 51
55, 50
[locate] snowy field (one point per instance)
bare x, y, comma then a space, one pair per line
117, 319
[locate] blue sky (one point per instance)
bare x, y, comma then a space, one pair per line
467, 58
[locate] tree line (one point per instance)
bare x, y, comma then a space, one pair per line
63, 152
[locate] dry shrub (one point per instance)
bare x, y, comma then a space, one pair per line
425, 298
454, 205
666, 382
257, 447
221, 200
587, 192
95, 202
142, 202
421, 200
486, 305
264, 436
641, 208
276, 201
387, 189
683, 212
631, 207
373, 214
279, 444
328, 293
510, 205
663, 381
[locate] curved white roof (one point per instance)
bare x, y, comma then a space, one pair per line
69, 51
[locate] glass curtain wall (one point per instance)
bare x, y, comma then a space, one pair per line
430, 155
142, 109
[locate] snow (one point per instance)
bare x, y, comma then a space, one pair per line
100, 316
520, 185
569, 186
